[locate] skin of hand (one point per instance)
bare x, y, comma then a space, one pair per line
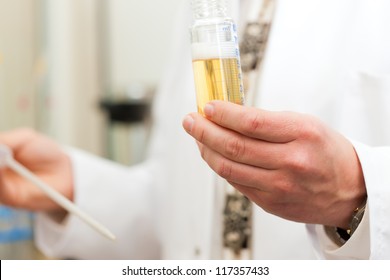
45, 159
292, 165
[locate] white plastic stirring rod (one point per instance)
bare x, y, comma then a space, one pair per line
6, 158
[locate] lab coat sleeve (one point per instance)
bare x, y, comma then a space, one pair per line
130, 201
372, 238
120, 198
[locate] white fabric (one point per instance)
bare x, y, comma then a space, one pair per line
326, 58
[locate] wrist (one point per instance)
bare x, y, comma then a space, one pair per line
341, 235
355, 194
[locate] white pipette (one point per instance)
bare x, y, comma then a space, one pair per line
6, 159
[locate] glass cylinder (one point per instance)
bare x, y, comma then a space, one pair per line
215, 54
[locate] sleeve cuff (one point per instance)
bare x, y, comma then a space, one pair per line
357, 247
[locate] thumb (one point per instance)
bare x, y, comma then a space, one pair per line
271, 126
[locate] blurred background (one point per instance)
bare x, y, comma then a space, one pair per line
83, 72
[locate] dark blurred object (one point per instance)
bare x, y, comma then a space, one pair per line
128, 123
126, 111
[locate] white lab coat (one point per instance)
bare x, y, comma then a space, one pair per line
326, 58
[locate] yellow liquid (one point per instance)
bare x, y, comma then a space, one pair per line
217, 79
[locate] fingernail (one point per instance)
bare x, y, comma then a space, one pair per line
188, 122
208, 110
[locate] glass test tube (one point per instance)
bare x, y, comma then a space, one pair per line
215, 54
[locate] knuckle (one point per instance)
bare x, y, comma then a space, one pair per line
299, 161
234, 147
312, 130
203, 153
222, 116
224, 169
252, 122
201, 135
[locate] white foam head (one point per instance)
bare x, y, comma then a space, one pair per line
209, 50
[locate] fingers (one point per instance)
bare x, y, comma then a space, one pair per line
276, 127
233, 145
237, 173
27, 144
14, 139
